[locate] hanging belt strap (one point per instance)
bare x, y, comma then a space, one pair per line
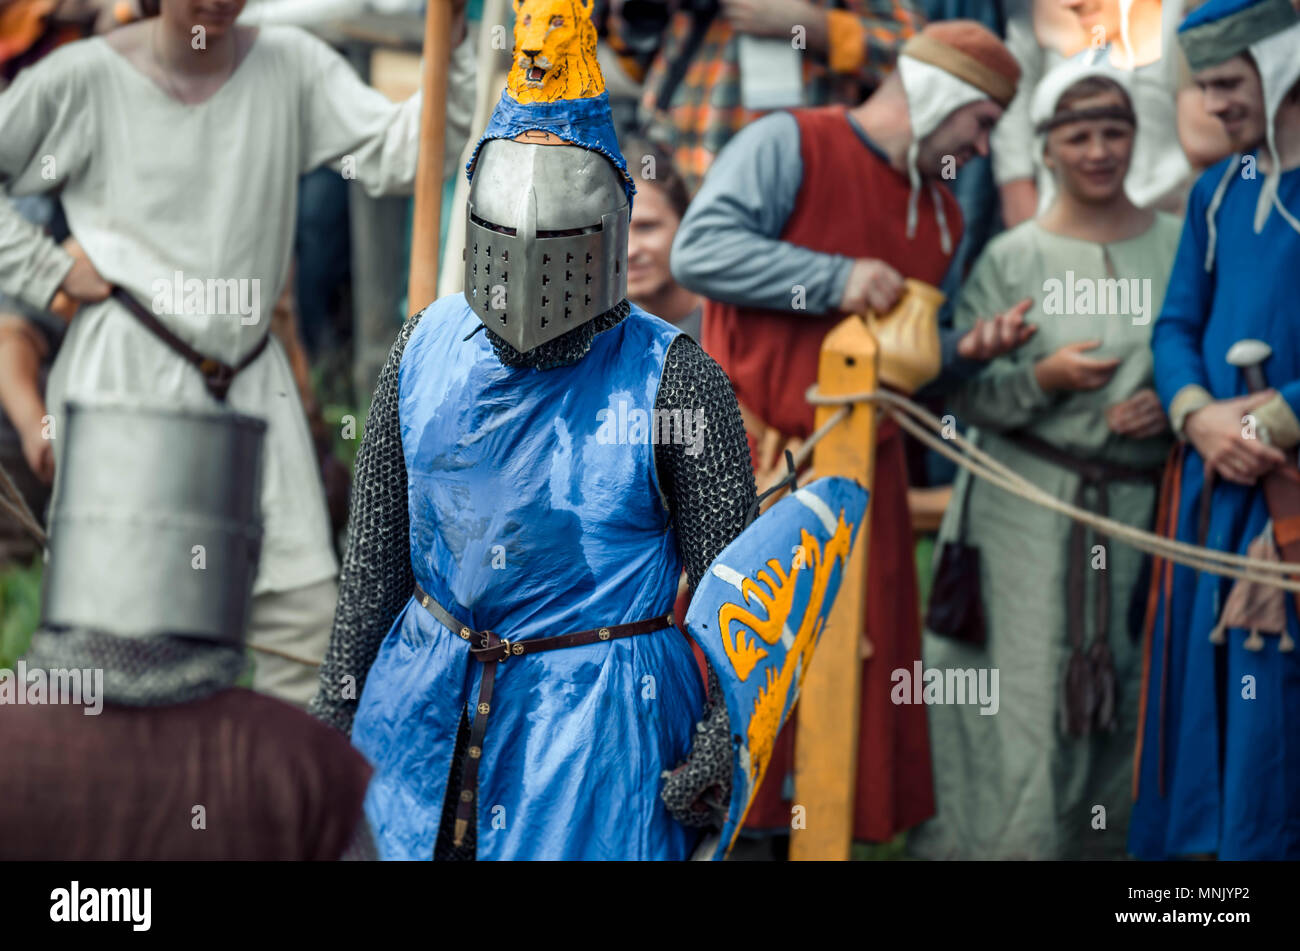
217, 376
492, 651
1088, 692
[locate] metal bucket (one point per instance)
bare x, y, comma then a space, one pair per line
156, 527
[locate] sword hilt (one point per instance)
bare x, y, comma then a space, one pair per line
1250, 355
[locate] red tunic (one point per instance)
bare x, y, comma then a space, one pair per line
850, 202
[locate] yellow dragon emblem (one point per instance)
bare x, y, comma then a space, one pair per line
774, 605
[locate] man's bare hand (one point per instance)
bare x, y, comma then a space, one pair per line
1218, 433
22, 348
992, 338
872, 285
83, 284
38, 451
1140, 416
769, 17
1069, 369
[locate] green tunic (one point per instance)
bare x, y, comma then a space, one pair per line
1010, 784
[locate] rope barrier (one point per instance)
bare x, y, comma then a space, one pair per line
11, 501
984, 466
284, 655
805, 451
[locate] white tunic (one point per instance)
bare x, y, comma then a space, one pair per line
160, 194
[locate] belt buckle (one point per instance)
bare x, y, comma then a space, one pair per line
215, 371
504, 644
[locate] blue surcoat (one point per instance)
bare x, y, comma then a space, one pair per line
1228, 737
533, 513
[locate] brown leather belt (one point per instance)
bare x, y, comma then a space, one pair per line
217, 376
492, 651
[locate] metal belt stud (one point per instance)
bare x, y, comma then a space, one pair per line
603, 633
464, 631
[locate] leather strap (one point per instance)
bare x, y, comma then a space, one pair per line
1090, 470
1161, 571
1088, 693
217, 376
1282, 496
492, 651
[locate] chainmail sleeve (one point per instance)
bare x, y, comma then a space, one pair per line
710, 488
376, 579
709, 485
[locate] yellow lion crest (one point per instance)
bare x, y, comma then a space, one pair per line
555, 52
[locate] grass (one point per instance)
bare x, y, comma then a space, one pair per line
20, 609
891, 851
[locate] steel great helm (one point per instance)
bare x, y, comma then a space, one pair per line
156, 527
545, 239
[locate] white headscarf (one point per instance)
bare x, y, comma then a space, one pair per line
933, 94
1092, 62
1278, 60
1277, 57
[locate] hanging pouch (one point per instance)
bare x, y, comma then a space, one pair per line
956, 608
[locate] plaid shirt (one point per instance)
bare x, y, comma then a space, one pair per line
705, 110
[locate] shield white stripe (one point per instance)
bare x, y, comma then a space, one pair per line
730, 575
819, 508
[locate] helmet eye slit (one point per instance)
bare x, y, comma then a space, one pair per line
499, 229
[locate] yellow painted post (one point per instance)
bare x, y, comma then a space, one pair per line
826, 754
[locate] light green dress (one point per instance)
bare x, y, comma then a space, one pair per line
1010, 784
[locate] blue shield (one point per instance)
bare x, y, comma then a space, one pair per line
758, 614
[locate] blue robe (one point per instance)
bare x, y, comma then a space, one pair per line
535, 510
1231, 727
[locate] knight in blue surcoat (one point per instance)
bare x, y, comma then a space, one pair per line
505, 652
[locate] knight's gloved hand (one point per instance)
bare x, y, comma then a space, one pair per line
698, 791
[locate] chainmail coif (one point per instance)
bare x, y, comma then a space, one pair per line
563, 350
140, 672
708, 496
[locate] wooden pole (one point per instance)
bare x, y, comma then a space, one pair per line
826, 749
427, 219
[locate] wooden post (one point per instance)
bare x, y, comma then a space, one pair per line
826, 750
427, 218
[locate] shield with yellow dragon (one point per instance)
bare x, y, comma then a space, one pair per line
759, 613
